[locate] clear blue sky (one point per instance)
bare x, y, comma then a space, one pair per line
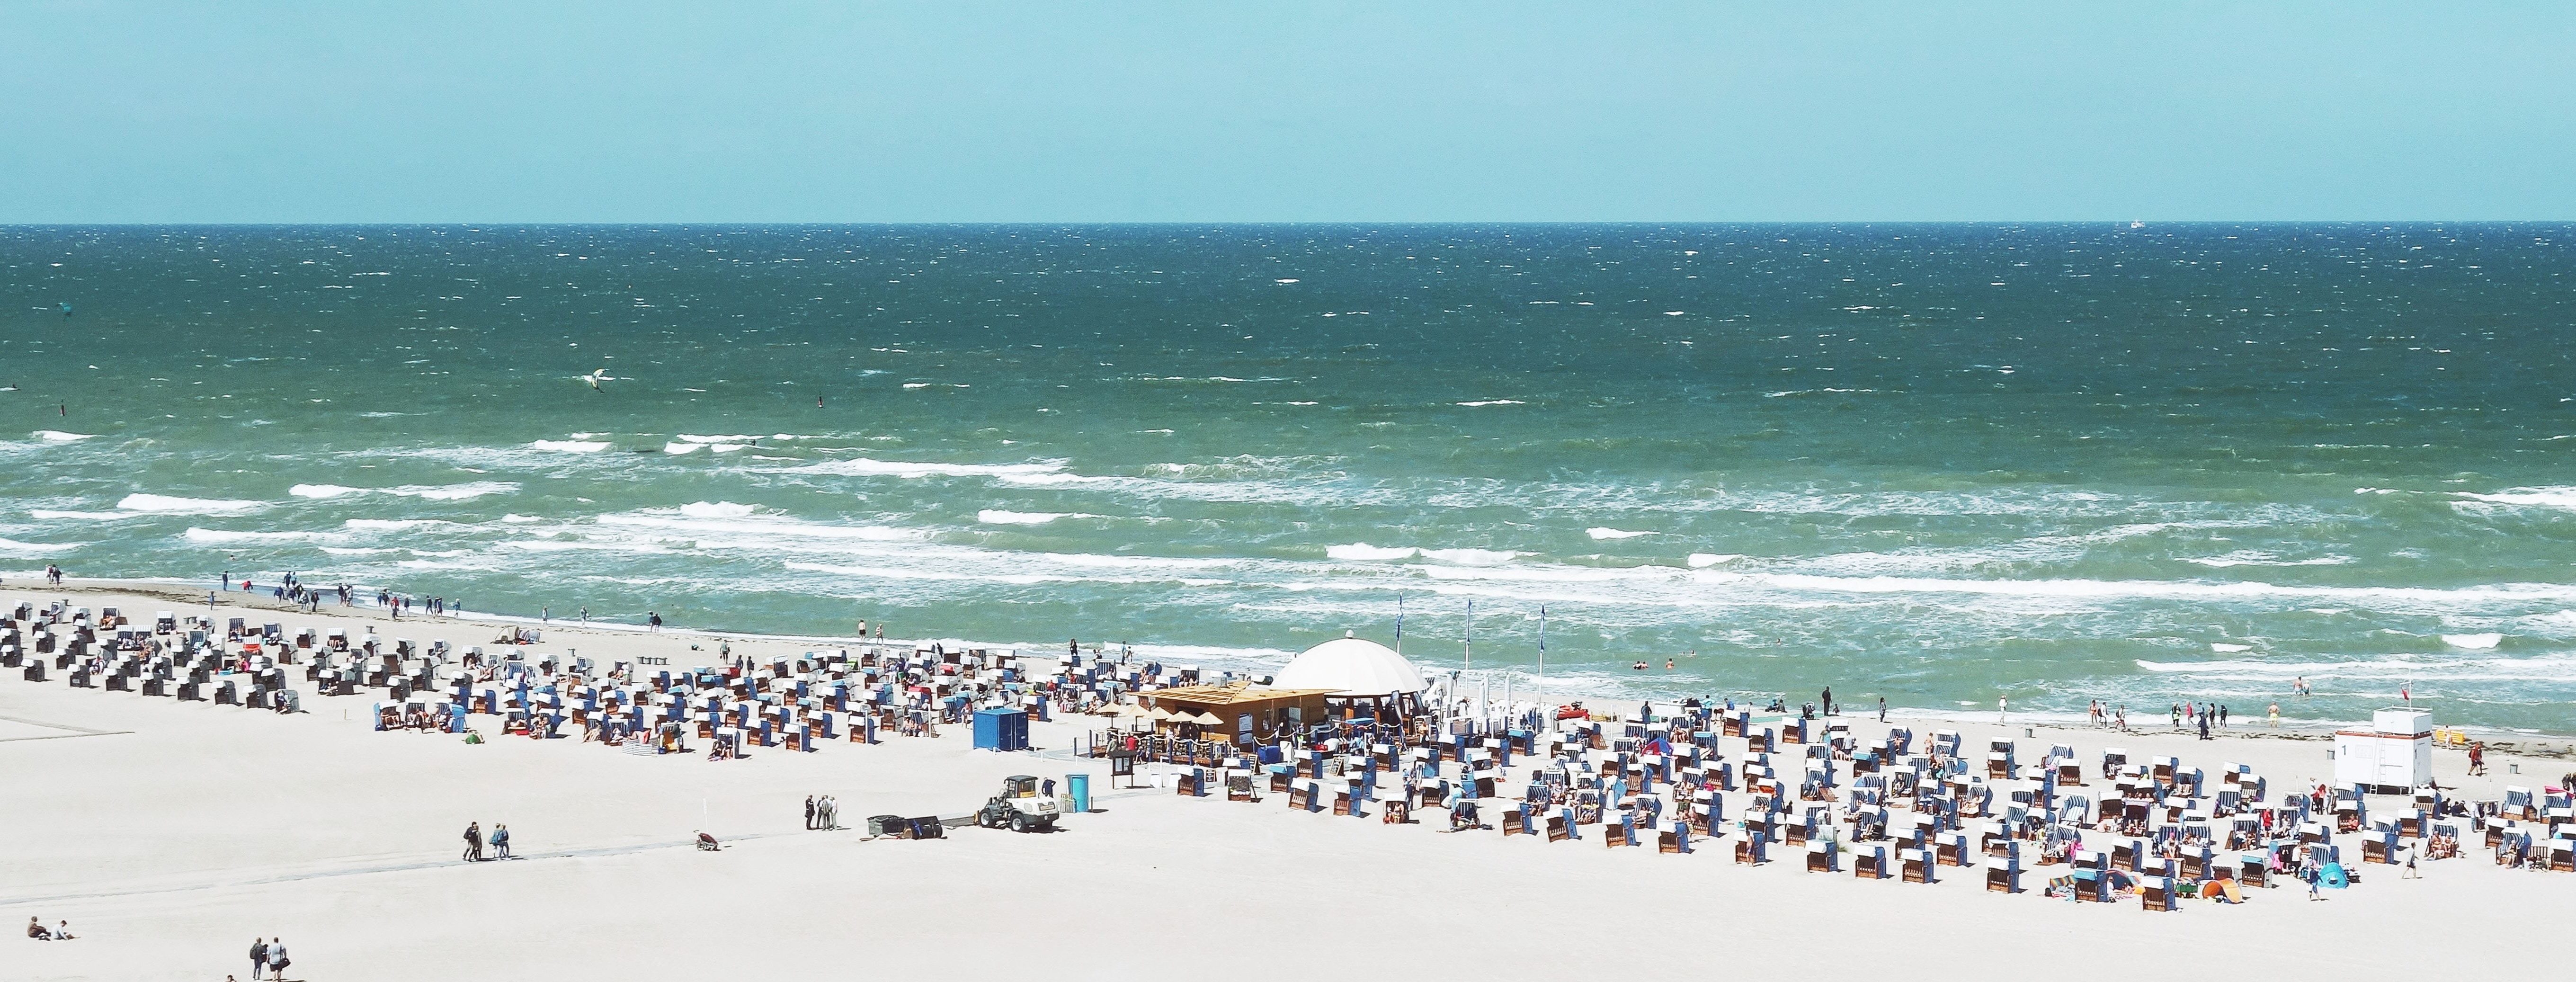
639, 111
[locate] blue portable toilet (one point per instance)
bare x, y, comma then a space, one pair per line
1078, 787
1001, 729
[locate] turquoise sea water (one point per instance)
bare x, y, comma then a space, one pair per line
1938, 463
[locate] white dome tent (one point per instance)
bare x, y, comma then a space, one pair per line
1351, 668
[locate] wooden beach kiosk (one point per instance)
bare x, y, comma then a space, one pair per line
1246, 713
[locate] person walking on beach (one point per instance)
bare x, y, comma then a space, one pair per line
2275, 721
809, 813
500, 841
1882, 709
2204, 726
277, 960
258, 957
2477, 758
653, 620
473, 842
1999, 710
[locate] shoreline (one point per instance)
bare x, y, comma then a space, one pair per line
178, 593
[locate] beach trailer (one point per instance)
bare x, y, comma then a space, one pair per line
2394, 756
1001, 729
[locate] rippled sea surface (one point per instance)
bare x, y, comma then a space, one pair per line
1939, 463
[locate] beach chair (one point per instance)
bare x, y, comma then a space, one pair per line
1673, 837
2196, 863
1622, 832
1560, 827
1753, 849
1951, 849
1869, 861
1822, 857
2379, 846
1515, 820
1916, 865
2155, 893
2004, 875
2125, 853
2562, 856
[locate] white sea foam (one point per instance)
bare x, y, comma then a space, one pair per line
1704, 560
2548, 497
58, 436
2473, 642
161, 504
2225, 649
517, 519
228, 535
676, 448
726, 447
996, 516
1472, 557
1604, 532
867, 467
1364, 552
1494, 402
357, 550
569, 446
17, 548
430, 492
2265, 559
390, 524
736, 438
82, 516
717, 509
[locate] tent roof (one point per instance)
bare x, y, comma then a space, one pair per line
1351, 666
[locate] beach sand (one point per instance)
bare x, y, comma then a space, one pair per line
174, 833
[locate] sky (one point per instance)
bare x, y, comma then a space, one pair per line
643, 111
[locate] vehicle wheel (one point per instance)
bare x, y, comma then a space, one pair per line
1019, 823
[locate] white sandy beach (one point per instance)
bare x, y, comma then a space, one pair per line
170, 834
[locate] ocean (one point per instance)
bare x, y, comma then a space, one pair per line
1940, 464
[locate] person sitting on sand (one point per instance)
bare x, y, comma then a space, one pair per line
36, 929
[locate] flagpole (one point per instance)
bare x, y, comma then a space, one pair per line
1399, 624
1538, 680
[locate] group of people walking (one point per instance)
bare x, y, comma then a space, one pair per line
269, 955
474, 841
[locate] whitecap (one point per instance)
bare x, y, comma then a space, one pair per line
1493, 402
2551, 497
717, 509
390, 524
162, 504
2473, 642
17, 548
736, 438
1604, 532
681, 448
1472, 557
996, 516
1362, 551
227, 535
2228, 649
1704, 560
865, 467
58, 436
569, 446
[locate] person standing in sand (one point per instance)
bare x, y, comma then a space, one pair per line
277, 960
473, 842
2000, 703
809, 813
258, 957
